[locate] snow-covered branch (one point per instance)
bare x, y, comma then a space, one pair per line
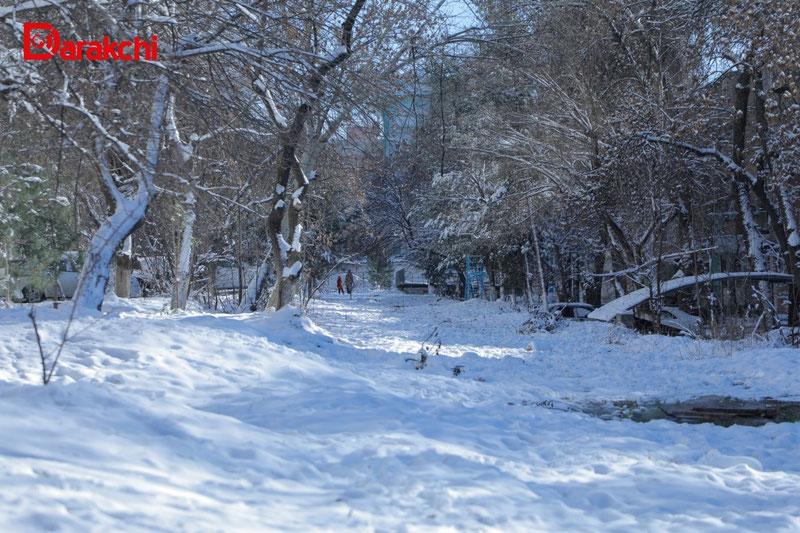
651, 262
738, 171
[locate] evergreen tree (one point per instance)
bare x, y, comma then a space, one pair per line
35, 226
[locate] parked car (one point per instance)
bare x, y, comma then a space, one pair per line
64, 287
674, 321
571, 310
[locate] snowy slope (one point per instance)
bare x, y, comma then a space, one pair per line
199, 422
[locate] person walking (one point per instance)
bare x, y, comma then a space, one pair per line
339, 285
349, 282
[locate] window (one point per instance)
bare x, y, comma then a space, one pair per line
581, 312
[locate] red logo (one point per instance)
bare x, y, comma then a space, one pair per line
41, 41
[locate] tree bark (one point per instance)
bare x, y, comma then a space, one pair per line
184, 266
124, 269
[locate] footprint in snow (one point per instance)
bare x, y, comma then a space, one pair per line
122, 353
116, 379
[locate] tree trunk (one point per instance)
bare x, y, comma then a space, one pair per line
180, 291
528, 276
124, 267
542, 287
751, 233
255, 288
782, 220
286, 250
128, 214
608, 289
742, 188
286, 257
94, 275
212, 285
539, 267
561, 290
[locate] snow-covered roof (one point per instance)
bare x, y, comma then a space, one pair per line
607, 312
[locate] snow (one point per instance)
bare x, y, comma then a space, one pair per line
193, 421
788, 214
293, 270
185, 149
284, 246
248, 13
298, 231
610, 310
336, 53
298, 193
273, 107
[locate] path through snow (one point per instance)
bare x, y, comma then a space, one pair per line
590, 360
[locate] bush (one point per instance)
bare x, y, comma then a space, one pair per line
539, 321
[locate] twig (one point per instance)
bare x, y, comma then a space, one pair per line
39, 344
423, 352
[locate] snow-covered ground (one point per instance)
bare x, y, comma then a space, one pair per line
201, 422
